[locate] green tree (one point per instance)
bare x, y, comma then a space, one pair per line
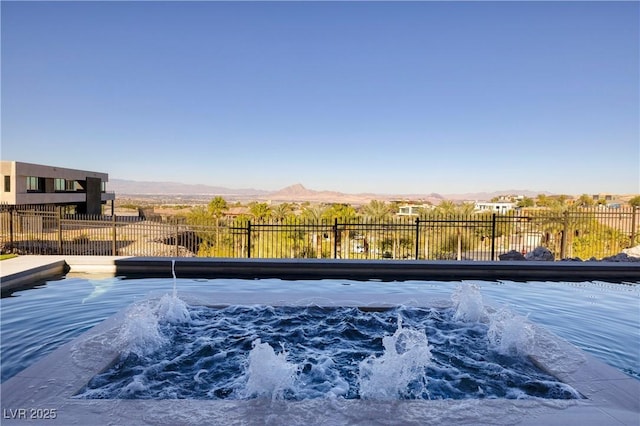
376, 211
446, 207
595, 239
555, 202
200, 221
345, 214
314, 213
525, 202
584, 200
261, 212
315, 216
635, 201
453, 236
217, 207
281, 211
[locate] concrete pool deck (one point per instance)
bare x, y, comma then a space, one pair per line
47, 387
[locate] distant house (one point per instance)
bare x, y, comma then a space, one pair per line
237, 211
413, 209
499, 207
40, 185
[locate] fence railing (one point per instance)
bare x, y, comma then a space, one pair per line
583, 233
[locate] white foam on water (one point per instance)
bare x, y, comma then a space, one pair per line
140, 331
468, 303
403, 362
323, 380
400, 372
268, 374
173, 310
510, 334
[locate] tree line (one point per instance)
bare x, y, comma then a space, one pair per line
447, 231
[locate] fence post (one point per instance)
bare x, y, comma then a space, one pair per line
493, 237
248, 239
335, 238
417, 237
59, 230
177, 231
11, 215
114, 243
565, 231
633, 225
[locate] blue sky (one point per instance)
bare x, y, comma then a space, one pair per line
384, 97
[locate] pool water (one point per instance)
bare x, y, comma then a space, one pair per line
598, 317
297, 353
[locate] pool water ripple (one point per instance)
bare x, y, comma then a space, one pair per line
598, 317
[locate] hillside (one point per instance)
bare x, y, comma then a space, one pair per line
293, 193
132, 187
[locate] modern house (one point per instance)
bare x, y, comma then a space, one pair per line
413, 209
40, 185
499, 207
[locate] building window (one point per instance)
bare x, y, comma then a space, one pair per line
33, 184
70, 185
103, 186
60, 185
7, 184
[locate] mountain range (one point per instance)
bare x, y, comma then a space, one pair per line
293, 193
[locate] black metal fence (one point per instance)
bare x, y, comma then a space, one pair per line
583, 233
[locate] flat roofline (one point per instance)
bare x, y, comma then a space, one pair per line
77, 173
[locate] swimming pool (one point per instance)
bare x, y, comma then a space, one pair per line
599, 317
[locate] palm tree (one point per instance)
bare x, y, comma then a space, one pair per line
380, 212
216, 208
260, 211
376, 211
315, 214
281, 211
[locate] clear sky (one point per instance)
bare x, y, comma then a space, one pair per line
384, 97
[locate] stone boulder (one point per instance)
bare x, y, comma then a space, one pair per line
621, 257
512, 255
632, 252
540, 254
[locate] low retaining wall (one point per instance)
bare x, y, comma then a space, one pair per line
385, 270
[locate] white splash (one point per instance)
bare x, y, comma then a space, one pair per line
510, 334
467, 301
269, 374
173, 272
406, 355
172, 309
140, 331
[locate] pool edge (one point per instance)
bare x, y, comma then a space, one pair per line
51, 382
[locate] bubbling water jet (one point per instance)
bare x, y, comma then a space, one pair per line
510, 334
400, 371
268, 374
467, 301
140, 332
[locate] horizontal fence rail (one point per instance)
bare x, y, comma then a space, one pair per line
579, 233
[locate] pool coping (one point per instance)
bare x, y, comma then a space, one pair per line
27, 271
50, 383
